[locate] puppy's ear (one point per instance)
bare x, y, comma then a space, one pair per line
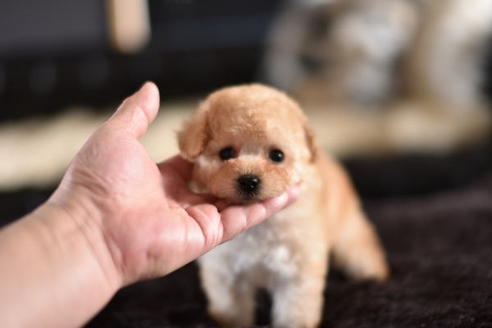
194, 134
311, 142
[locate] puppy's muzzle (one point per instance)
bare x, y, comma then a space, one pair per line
248, 185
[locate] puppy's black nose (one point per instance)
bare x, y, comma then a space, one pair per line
248, 184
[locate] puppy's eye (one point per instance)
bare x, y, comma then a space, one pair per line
276, 155
227, 153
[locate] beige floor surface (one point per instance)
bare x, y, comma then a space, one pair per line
36, 152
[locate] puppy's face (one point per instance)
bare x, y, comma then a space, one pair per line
248, 143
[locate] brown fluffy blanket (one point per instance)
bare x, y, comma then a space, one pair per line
439, 244
440, 250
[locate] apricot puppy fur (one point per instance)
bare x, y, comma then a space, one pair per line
250, 143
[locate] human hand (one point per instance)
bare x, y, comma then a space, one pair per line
142, 219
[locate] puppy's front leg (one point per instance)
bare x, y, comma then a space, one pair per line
298, 303
230, 301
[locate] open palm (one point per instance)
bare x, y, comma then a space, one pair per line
151, 223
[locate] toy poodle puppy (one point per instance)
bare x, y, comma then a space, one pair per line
250, 143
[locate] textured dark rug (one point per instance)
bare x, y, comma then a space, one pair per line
440, 250
434, 215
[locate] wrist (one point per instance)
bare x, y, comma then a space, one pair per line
54, 260
81, 222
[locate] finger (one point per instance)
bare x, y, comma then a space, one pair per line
188, 198
274, 205
176, 173
137, 111
208, 219
236, 219
178, 165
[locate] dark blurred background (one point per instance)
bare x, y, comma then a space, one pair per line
58, 54
422, 166
55, 54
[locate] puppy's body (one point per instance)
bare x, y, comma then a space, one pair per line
287, 254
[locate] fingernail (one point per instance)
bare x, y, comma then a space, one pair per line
281, 200
143, 86
295, 191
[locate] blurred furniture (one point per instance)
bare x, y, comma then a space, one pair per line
59, 53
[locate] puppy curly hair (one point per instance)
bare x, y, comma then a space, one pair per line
253, 142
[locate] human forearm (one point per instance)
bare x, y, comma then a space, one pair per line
115, 219
54, 270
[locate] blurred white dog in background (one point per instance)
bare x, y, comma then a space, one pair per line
416, 64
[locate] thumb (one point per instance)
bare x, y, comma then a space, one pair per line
137, 111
